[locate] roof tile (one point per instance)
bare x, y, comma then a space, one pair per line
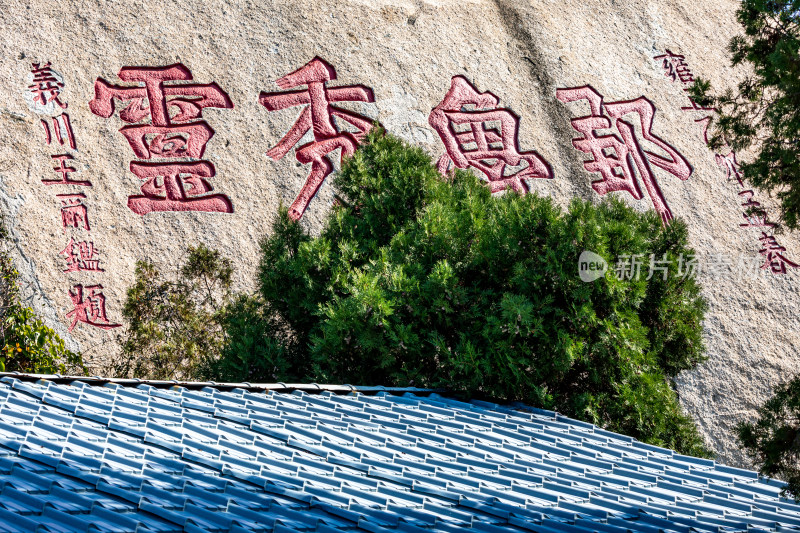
122, 456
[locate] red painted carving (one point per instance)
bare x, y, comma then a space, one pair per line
176, 187
46, 87
695, 107
318, 118
67, 130
616, 157
80, 257
89, 308
173, 132
755, 216
773, 258
64, 171
749, 202
704, 123
757, 219
73, 211
57, 129
484, 138
48, 138
730, 165
675, 67
188, 99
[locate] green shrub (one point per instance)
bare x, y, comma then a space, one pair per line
417, 280
759, 117
773, 440
174, 322
28, 345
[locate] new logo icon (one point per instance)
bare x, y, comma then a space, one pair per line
591, 266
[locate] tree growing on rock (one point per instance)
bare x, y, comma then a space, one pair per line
174, 323
28, 344
431, 282
773, 440
762, 113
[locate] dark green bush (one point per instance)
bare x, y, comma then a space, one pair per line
28, 344
773, 440
417, 280
759, 118
174, 322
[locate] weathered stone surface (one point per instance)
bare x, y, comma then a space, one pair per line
406, 52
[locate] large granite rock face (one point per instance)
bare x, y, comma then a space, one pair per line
407, 53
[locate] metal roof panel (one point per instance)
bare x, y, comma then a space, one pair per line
161, 456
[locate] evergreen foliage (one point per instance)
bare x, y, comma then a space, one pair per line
28, 344
773, 440
763, 112
763, 115
417, 280
174, 324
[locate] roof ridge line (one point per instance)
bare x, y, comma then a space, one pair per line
280, 386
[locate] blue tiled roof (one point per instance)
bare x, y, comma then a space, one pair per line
80, 457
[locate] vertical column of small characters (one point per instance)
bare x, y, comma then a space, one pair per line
80, 253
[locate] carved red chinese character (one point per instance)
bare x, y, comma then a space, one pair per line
704, 122
73, 211
46, 87
173, 107
695, 106
61, 137
756, 218
749, 202
64, 171
176, 187
617, 157
317, 117
80, 257
90, 308
484, 138
773, 258
730, 165
675, 67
